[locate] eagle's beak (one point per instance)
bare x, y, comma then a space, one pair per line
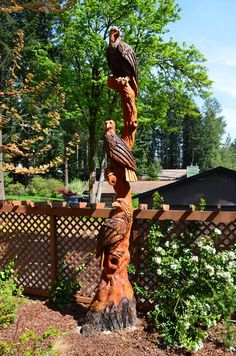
116, 204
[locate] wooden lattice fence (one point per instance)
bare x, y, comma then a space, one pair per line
52, 243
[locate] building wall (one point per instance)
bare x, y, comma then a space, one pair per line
218, 188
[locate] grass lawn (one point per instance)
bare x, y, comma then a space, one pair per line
32, 198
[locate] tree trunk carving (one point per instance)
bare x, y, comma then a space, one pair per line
113, 306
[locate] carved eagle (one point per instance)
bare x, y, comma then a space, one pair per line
114, 230
118, 151
121, 57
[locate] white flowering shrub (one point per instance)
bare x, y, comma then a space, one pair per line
195, 286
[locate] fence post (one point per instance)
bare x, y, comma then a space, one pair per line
53, 248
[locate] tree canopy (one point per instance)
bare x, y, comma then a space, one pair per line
171, 76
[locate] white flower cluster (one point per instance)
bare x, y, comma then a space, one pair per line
226, 275
217, 231
157, 260
231, 255
210, 269
160, 250
209, 248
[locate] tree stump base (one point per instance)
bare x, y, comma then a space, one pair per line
111, 318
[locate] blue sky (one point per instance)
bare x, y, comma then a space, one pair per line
211, 26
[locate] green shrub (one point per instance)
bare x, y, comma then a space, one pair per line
44, 187
194, 286
78, 186
53, 186
15, 189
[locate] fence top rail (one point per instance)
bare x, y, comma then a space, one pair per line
161, 214
183, 215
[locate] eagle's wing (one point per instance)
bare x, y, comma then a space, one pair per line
119, 151
110, 233
128, 53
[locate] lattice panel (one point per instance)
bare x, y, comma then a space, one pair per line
228, 237
76, 246
139, 252
26, 239
27, 236
139, 247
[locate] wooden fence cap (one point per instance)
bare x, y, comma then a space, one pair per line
165, 207
143, 206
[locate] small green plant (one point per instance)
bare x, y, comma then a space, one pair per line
201, 205
9, 295
229, 336
8, 272
194, 285
5, 348
131, 269
135, 202
63, 292
31, 344
158, 200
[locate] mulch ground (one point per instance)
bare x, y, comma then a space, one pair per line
38, 316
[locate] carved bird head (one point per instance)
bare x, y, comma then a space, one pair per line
110, 126
121, 206
114, 36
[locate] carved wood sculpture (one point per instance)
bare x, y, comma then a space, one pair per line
113, 306
120, 153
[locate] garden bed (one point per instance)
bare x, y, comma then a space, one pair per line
39, 317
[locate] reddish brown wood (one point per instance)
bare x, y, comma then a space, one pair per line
122, 85
113, 306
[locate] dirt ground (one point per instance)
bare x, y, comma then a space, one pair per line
38, 316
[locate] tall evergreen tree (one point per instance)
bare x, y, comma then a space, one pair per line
191, 145
212, 130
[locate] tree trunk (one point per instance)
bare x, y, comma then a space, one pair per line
66, 168
101, 179
113, 306
2, 190
92, 162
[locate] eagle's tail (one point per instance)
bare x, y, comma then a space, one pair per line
130, 175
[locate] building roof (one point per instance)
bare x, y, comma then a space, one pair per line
138, 187
166, 176
184, 180
172, 174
